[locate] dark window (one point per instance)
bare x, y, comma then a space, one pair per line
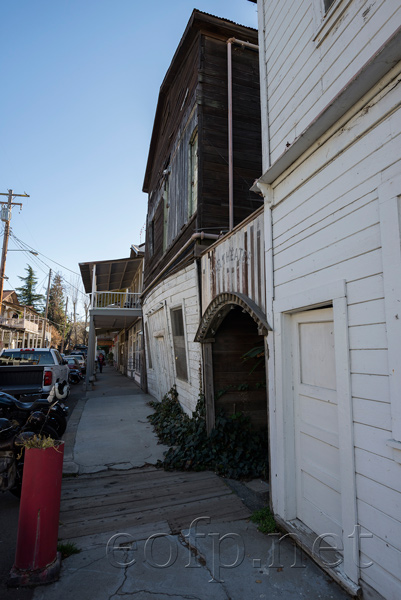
151, 237
148, 345
177, 324
327, 4
166, 209
193, 174
34, 357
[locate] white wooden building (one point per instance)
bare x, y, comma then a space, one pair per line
331, 94
172, 308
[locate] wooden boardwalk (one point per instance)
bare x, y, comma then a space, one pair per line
112, 501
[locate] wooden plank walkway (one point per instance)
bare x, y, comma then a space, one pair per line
112, 501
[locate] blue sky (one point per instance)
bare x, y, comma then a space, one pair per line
80, 81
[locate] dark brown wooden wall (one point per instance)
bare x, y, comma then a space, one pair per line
177, 108
203, 71
213, 140
237, 335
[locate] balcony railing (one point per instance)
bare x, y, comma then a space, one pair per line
26, 324
115, 300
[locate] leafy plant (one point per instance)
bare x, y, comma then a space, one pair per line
264, 519
256, 354
232, 450
67, 549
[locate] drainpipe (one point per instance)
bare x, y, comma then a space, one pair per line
264, 98
230, 42
195, 236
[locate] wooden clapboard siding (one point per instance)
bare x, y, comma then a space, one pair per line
329, 227
324, 252
326, 227
200, 67
177, 290
236, 264
304, 75
213, 182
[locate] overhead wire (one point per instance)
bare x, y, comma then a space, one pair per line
27, 248
48, 258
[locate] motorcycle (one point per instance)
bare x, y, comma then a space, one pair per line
75, 376
12, 438
54, 409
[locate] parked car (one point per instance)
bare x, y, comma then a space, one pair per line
32, 371
73, 363
81, 359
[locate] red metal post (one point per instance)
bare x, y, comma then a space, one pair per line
36, 559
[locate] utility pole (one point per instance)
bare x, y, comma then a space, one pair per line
65, 325
6, 218
46, 310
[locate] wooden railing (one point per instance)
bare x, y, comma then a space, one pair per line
26, 324
115, 300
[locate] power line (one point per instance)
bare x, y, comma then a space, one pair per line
48, 258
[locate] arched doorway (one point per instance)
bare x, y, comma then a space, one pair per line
231, 326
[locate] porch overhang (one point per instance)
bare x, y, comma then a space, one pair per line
110, 275
107, 319
218, 309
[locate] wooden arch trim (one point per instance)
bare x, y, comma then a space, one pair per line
218, 309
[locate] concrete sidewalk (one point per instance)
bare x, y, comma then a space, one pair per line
109, 429
210, 560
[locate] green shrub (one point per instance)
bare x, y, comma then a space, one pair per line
232, 450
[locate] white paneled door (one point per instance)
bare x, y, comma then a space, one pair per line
317, 455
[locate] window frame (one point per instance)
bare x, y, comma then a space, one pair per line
324, 20
179, 344
193, 173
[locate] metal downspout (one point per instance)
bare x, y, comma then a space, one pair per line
230, 42
230, 137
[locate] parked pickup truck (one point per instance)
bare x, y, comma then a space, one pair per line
31, 371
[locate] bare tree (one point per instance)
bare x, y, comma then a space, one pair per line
75, 291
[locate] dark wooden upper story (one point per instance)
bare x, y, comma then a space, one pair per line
187, 174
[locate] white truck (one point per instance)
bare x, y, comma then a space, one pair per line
27, 371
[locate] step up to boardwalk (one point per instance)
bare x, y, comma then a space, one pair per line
112, 501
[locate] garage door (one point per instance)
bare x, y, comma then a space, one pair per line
316, 422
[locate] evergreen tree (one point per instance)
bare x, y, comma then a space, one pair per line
56, 314
27, 293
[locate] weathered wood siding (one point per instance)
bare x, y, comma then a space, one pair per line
213, 212
311, 58
177, 120
236, 264
194, 95
179, 290
326, 227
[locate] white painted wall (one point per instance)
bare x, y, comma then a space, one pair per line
178, 290
310, 58
327, 227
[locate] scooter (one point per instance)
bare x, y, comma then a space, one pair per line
54, 409
12, 437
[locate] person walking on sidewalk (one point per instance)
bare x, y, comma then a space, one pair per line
100, 360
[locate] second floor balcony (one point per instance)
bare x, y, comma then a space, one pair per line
115, 300
21, 324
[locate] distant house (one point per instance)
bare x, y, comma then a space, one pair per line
21, 326
331, 116
204, 155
